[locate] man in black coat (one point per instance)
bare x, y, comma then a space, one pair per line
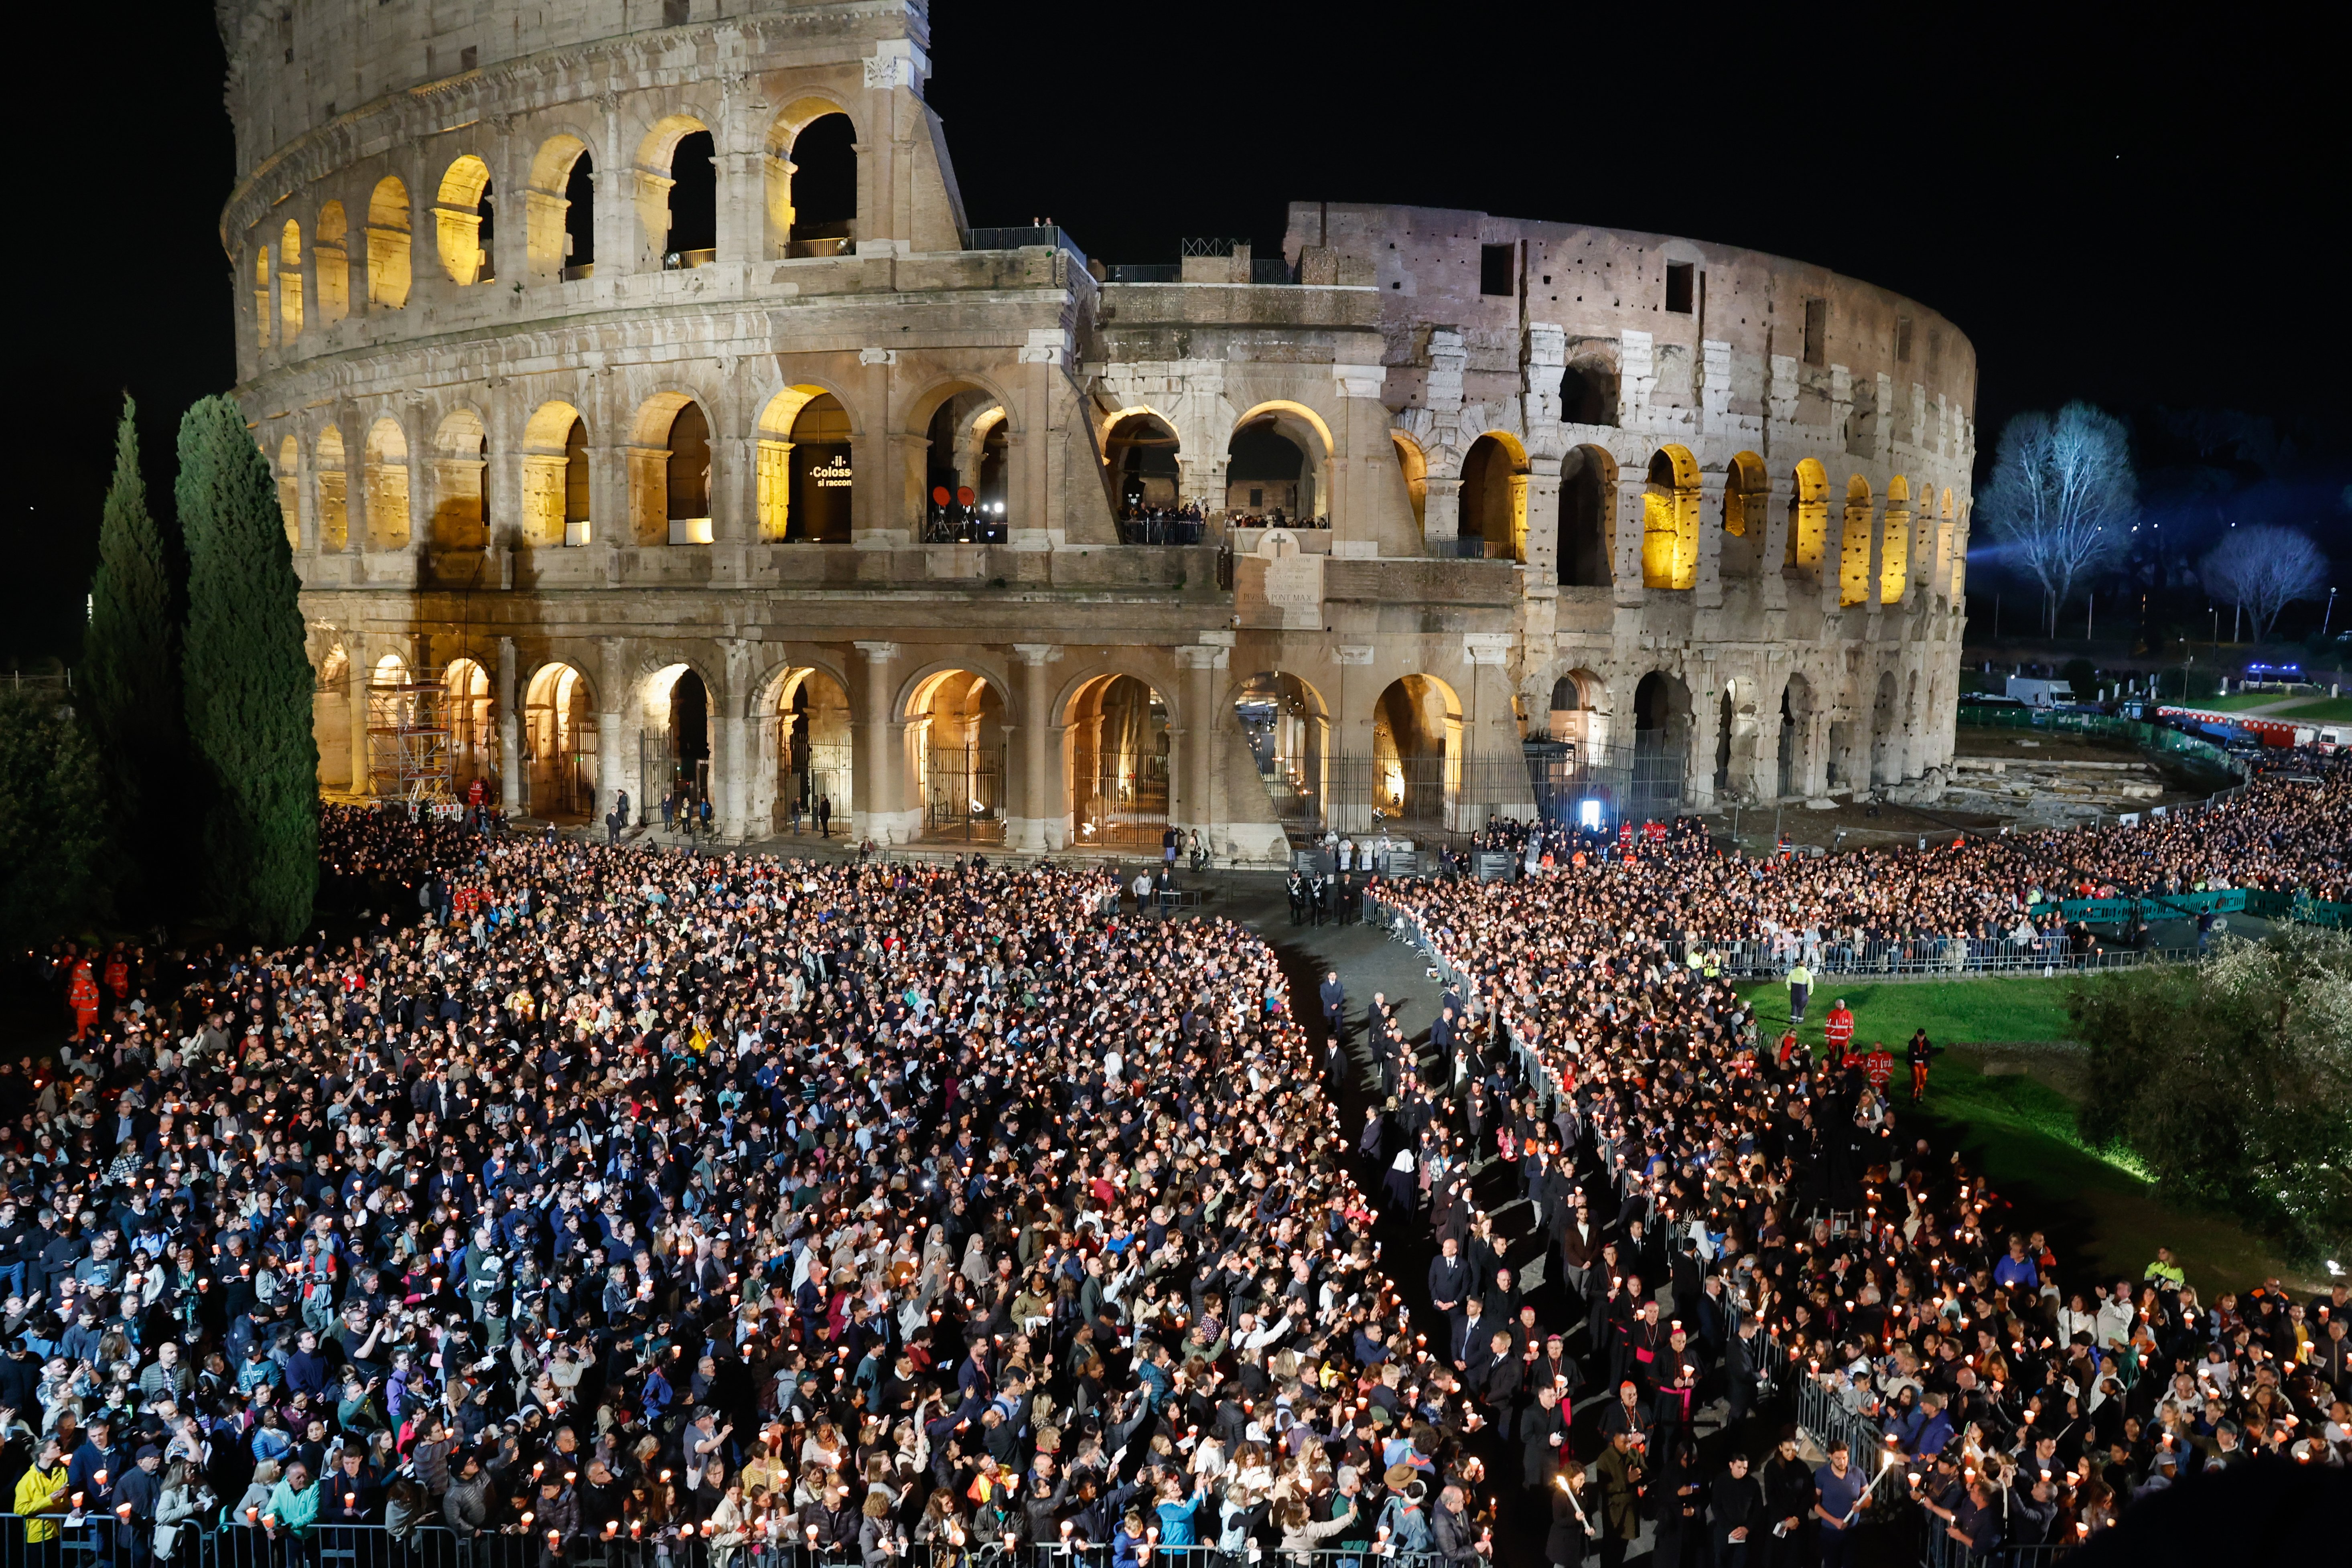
1736, 1516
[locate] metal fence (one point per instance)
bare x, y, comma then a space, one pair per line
1893, 957
108, 1542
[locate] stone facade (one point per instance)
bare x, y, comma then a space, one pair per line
556, 410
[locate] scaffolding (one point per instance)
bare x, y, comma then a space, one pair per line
409, 748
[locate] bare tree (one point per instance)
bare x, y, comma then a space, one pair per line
2062, 492
2262, 570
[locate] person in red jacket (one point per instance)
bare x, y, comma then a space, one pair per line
1879, 1066
1788, 1049
1840, 1030
81, 996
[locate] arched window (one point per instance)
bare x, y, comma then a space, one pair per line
1588, 392
1265, 474
555, 476
387, 245
289, 282
964, 454
559, 215
460, 465
1670, 520
805, 477
462, 221
1744, 490
1588, 518
289, 489
694, 201
334, 515
812, 181
331, 264
670, 472
387, 486
1494, 497
261, 311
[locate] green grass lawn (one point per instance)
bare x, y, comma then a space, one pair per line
1953, 1011
2239, 701
2327, 710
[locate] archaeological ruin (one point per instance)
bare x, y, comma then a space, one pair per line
649, 416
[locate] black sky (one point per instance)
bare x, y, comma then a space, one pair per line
2134, 214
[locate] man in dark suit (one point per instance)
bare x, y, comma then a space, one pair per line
1334, 997
1449, 1279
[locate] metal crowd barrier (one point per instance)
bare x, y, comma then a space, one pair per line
1759, 959
108, 1542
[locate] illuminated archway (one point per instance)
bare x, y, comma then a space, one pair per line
461, 452
462, 221
1495, 495
289, 489
815, 755
555, 478
334, 500
1293, 483
559, 744
331, 264
955, 740
1139, 451
560, 215
1417, 751
387, 485
473, 735
289, 281
1115, 750
1288, 727
673, 746
805, 489
967, 446
669, 460
387, 245
1670, 520
812, 181
1746, 488
678, 193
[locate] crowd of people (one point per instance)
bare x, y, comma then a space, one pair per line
702, 1204
1758, 1217
1141, 524
703, 1208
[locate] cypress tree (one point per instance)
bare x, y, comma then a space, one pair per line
249, 684
130, 674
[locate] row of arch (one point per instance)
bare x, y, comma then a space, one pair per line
808, 195
663, 492
1493, 501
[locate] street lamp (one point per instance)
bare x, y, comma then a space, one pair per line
2330, 615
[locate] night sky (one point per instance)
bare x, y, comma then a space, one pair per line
2147, 221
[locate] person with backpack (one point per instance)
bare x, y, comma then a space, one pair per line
1403, 1524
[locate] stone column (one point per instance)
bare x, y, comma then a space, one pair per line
1441, 511
1032, 832
1200, 664
1543, 521
732, 767
509, 732
1625, 551
1709, 583
356, 674
1491, 736
877, 787
1775, 541
611, 774
1706, 724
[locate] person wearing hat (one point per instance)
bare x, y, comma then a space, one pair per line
140, 1487
1403, 1517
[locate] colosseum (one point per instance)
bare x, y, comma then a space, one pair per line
639, 390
